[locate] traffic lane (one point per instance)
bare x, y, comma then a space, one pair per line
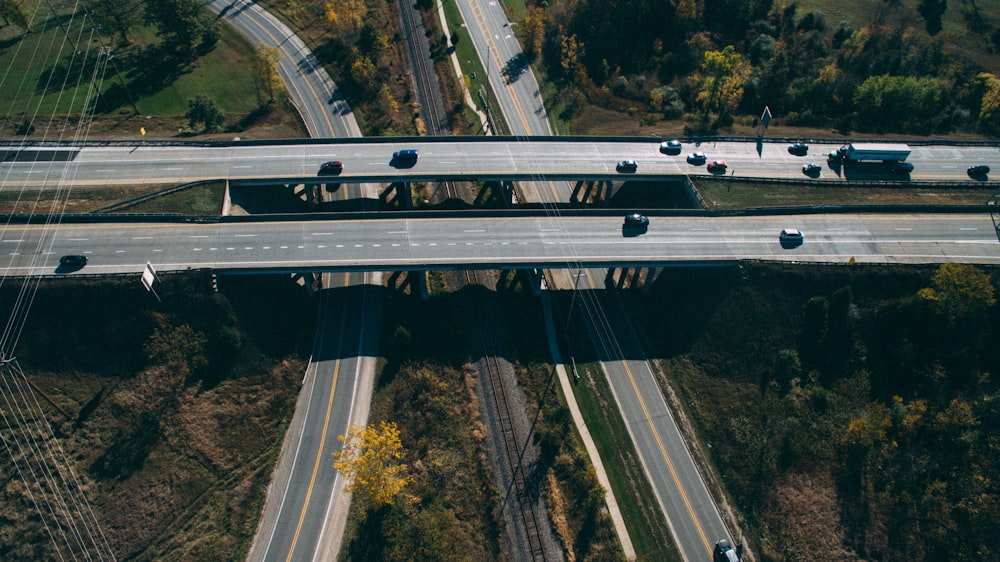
390, 243
165, 164
307, 82
308, 493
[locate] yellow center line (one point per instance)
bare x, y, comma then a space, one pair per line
320, 453
281, 44
494, 53
663, 452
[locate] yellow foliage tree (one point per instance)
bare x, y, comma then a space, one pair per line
960, 290
723, 75
370, 460
264, 69
345, 15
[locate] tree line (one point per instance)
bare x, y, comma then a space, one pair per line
710, 60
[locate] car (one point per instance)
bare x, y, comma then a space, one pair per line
637, 221
406, 154
900, 167
978, 170
798, 149
671, 147
718, 166
791, 236
627, 166
333, 167
697, 158
73, 261
724, 552
811, 169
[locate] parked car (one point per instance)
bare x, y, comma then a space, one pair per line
671, 147
799, 149
73, 261
331, 168
724, 552
978, 170
791, 237
900, 168
635, 220
718, 166
627, 166
697, 158
812, 169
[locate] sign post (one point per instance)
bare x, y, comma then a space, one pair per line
149, 280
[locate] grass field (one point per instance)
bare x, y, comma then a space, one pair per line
722, 194
53, 69
964, 29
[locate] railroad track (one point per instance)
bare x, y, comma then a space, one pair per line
517, 497
432, 110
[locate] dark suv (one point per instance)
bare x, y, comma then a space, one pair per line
724, 552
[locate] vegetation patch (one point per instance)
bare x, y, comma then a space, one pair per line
177, 409
848, 409
724, 194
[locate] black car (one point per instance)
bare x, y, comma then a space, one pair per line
331, 168
799, 149
980, 170
628, 166
724, 552
811, 169
635, 224
671, 147
73, 261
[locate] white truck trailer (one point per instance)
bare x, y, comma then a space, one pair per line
857, 151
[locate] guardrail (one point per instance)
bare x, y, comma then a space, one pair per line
704, 139
525, 211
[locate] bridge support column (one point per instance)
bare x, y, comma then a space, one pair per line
411, 282
303, 192
310, 281
398, 194
605, 195
536, 281
648, 281
509, 195
577, 188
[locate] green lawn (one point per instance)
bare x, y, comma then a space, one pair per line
53, 69
723, 194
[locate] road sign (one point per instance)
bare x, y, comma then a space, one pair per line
766, 117
149, 279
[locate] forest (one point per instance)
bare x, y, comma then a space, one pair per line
910, 67
851, 412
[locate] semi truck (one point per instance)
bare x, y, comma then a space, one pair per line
856, 152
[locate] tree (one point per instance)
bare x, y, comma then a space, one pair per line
202, 109
345, 16
264, 69
370, 460
13, 13
183, 23
723, 74
959, 291
117, 15
898, 102
931, 11
989, 106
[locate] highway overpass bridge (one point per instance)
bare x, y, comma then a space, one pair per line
459, 240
